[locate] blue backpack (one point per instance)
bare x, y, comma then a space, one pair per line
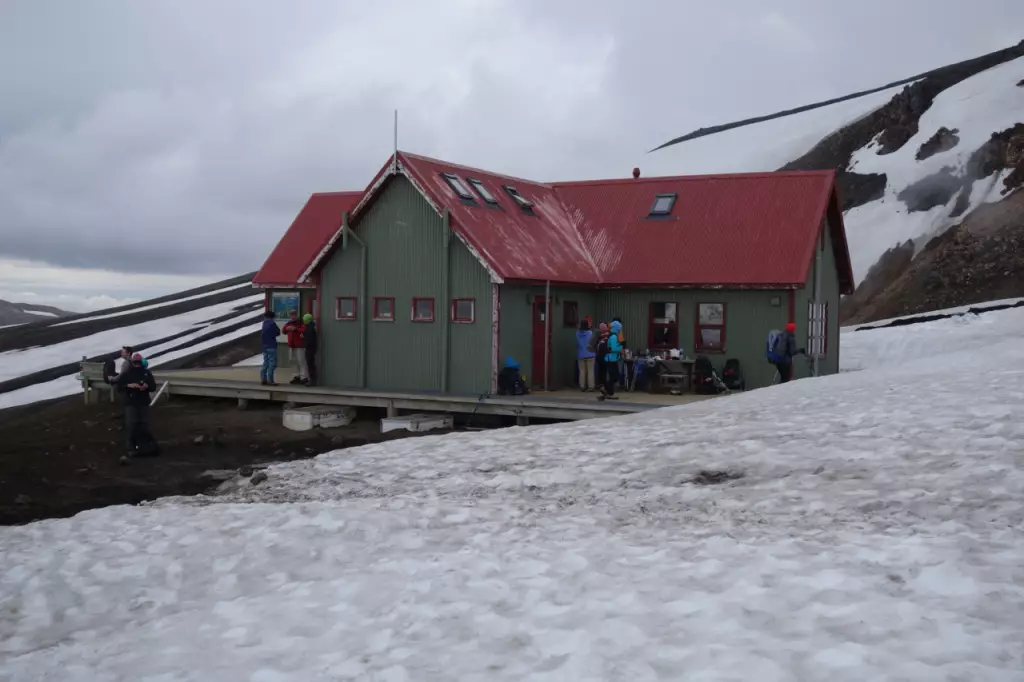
773, 351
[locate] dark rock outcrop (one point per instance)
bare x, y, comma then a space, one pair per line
858, 189
943, 140
933, 190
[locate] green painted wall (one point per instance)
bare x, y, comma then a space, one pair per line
517, 329
749, 316
830, 294
406, 241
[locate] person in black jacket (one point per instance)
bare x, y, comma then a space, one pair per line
137, 384
311, 339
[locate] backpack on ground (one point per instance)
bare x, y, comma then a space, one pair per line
773, 348
511, 382
732, 375
109, 370
704, 376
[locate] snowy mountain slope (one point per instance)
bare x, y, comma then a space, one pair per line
874, 533
944, 151
987, 103
20, 313
40, 360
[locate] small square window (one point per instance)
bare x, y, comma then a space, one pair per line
422, 310
456, 184
663, 204
520, 200
345, 308
463, 310
484, 193
384, 309
571, 313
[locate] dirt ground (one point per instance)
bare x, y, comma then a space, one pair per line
61, 458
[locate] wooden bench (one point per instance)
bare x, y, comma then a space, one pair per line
93, 379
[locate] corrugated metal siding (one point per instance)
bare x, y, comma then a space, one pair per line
749, 317
830, 294
340, 339
517, 329
469, 364
405, 243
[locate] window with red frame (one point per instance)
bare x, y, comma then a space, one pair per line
663, 332
571, 313
384, 309
422, 310
709, 331
463, 310
345, 308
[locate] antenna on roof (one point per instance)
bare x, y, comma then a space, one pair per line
394, 160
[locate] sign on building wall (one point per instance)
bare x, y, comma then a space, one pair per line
283, 302
817, 333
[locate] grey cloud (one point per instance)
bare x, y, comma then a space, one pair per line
144, 137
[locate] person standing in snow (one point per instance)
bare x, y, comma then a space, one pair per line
294, 329
786, 349
268, 339
585, 356
310, 339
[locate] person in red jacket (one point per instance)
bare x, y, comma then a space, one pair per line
294, 330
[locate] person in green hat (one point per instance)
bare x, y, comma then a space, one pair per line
311, 338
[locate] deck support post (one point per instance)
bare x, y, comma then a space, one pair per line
243, 403
522, 420
392, 410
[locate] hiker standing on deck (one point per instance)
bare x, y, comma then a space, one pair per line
268, 339
294, 329
310, 337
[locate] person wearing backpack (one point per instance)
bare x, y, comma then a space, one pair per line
782, 347
610, 350
585, 356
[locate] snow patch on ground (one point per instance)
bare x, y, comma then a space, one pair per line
984, 104
254, 361
876, 534
896, 346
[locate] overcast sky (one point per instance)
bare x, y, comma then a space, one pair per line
150, 146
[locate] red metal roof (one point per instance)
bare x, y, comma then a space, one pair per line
316, 223
745, 230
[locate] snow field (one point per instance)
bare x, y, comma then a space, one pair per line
876, 534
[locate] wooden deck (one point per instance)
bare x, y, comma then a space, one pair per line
242, 383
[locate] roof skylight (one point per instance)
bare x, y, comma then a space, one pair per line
663, 204
484, 193
456, 184
523, 202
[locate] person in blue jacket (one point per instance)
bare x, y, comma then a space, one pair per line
268, 339
585, 356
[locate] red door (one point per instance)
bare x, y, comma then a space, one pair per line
538, 364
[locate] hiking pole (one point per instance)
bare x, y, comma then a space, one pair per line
159, 393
